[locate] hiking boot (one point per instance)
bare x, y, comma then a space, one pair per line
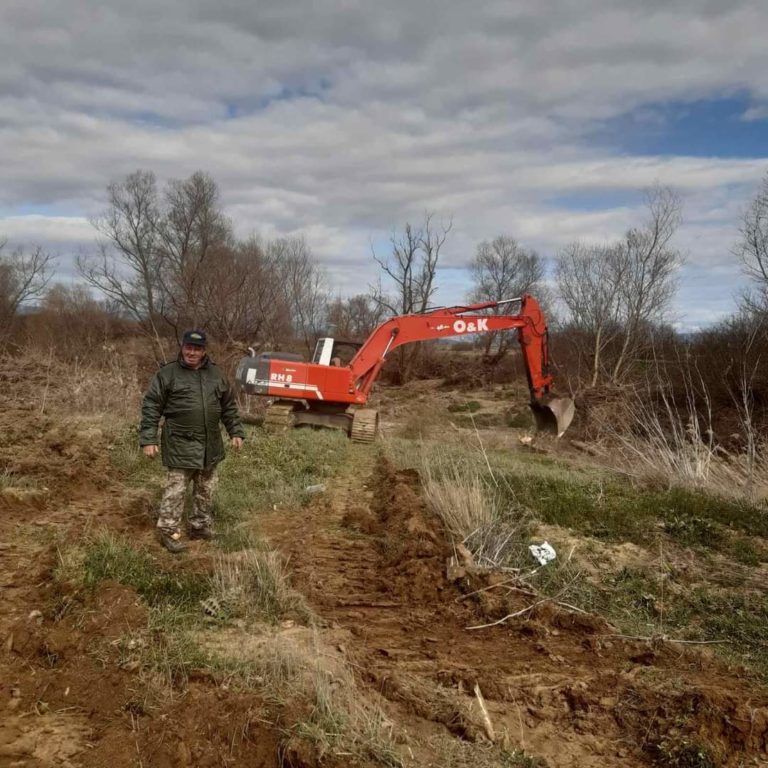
204, 532
172, 542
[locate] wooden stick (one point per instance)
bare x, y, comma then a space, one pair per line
489, 732
510, 615
665, 639
506, 583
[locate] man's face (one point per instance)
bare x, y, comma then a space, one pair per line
192, 355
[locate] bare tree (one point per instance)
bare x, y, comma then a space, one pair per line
192, 230
242, 297
589, 281
502, 269
127, 268
752, 249
71, 321
354, 318
303, 285
615, 294
24, 276
648, 282
411, 268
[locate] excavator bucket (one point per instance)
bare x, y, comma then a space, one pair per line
553, 415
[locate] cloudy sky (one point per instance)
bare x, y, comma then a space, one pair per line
342, 120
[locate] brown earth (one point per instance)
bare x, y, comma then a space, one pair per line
67, 697
371, 560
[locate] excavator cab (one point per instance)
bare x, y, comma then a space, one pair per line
323, 352
336, 352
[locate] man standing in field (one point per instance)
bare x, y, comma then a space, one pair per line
193, 396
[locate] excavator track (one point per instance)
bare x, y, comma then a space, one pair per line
278, 417
365, 425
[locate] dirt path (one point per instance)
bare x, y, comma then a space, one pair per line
371, 560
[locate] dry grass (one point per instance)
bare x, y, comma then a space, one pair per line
315, 688
675, 444
341, 722
476, 506
255, 584
109, 384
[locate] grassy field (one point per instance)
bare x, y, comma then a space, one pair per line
698, 562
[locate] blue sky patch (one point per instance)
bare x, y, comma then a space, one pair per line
705, 128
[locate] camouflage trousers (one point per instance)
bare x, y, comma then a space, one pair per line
172, 505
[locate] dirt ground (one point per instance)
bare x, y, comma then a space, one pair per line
371, 560
66, 697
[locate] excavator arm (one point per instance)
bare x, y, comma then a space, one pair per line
552, 414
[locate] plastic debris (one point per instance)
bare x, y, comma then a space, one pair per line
543, 553
315, 488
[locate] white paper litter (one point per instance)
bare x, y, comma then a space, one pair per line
544, 553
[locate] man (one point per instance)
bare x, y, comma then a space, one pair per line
193, 395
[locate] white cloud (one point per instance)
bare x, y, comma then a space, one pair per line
342, 120
48, 231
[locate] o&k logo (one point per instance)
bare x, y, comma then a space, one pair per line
462, 326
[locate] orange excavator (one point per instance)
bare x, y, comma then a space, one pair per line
324, 393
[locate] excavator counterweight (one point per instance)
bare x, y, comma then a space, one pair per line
324, 393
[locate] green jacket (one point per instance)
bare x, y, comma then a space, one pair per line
193, 401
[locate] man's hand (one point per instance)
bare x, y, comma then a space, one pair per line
237, 443
150, 451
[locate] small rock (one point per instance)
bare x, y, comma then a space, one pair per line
464, 555
35, 616
15, 693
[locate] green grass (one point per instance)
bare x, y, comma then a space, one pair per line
341, 721
469, 406
740, 618
481, 420
647, 602
130, 463
680, 752
519, 419
256, 585
657, 599
272, 470
598, 503
618, 511
111, 558
10, 479
277, 468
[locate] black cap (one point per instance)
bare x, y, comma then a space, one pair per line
196, 338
